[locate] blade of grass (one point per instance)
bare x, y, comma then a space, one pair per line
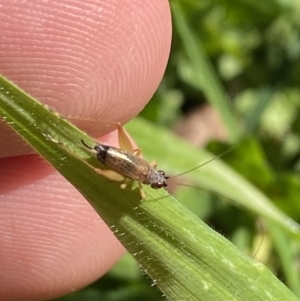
219, 178
288, 253
184, 257
204, 72
254, 116
215, 176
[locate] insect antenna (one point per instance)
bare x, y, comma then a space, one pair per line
87, 146
201, 165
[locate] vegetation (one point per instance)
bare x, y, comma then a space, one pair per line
238, 59
242, 59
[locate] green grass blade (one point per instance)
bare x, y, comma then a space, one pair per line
215, 176
288, 252
204, 72
219, 178
184, 257
254, 116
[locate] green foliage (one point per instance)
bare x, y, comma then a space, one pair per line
242, 57
250, 50
182, 255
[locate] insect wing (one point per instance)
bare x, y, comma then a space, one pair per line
126, 164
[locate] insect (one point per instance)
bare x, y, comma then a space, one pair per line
126, 164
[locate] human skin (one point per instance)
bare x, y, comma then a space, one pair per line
94, 59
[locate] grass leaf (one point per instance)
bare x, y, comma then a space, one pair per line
184, 257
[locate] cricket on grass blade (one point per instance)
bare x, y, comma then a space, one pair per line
125, 164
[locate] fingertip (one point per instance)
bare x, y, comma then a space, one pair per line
51, 240
95, 59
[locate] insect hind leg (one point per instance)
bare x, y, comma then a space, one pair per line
110, 174
142, 192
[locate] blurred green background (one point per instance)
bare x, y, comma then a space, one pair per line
233, 80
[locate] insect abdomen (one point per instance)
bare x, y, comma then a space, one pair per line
128, 165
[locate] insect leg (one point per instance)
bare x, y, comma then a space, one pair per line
142, 192
125, 183
153, 164
137, 152
50, 138
110, 174
124, 141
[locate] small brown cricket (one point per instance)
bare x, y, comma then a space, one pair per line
126, 164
